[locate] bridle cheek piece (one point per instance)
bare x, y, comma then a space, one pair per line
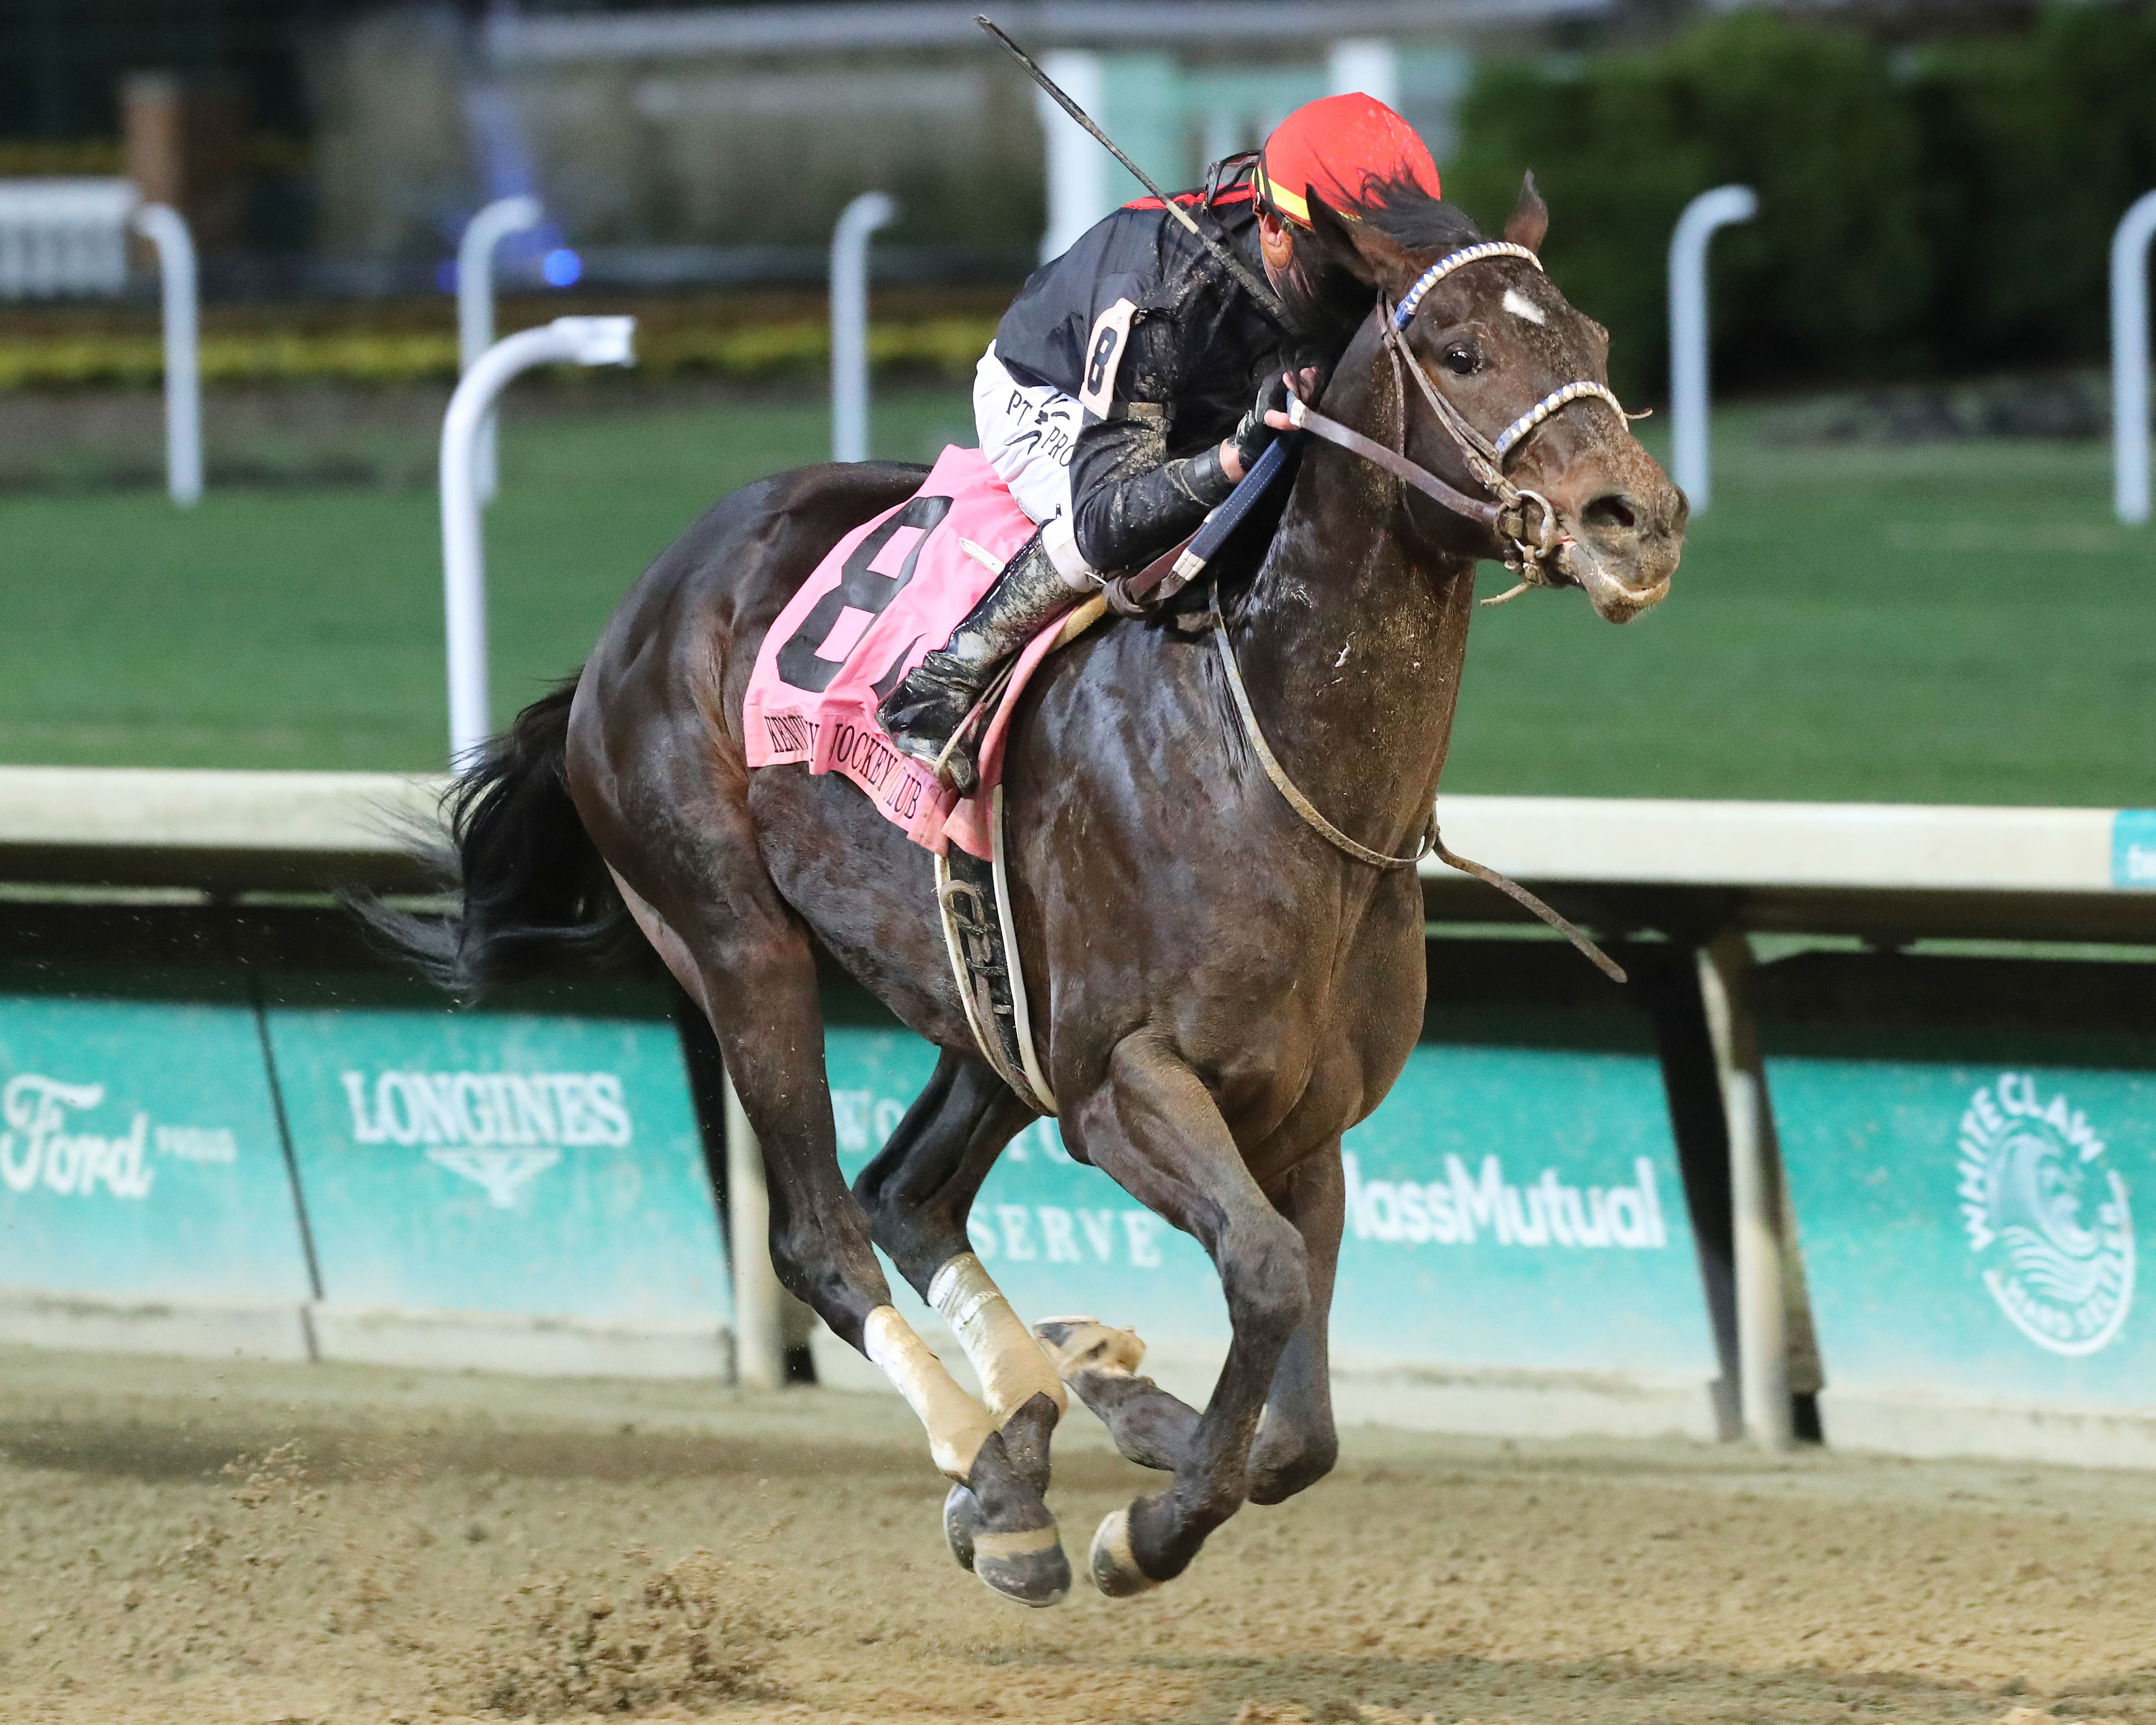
1522, 518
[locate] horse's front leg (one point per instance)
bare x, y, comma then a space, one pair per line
1298, 1444
917, 1193
1155, 1129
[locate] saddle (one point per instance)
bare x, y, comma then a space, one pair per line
887, 594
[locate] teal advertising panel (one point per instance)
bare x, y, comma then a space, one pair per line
139, 1149
2133, 849
1522, 1207
1510, 1208
499, 1160
1974, 1231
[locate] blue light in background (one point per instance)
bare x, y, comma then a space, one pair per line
445, 275
561, 268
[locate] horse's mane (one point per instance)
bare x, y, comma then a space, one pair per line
1326, 296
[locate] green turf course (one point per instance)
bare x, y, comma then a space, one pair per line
1941, 623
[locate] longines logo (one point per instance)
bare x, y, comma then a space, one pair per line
499, 1130
2047, 1216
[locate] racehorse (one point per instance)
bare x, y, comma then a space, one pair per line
1221, 991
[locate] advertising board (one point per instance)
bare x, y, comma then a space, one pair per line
1516, 1254
141, 1169
466, 1168
1976, 1211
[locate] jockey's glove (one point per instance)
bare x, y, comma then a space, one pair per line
1252, 436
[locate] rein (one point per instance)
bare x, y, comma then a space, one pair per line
1506, 514
1433, 843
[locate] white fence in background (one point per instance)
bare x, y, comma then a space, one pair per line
64, 239
566, 341
1689, 333
475, 250
850, 323
2129, 360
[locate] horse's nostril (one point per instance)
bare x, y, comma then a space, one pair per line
1613, 510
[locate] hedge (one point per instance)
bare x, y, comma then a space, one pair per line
946, 347
1946, 209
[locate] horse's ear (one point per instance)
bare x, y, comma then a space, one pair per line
1528, 224
1362, 248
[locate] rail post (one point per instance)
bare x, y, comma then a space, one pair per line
850, 323
759, 1301
167, 230
1688, 332
566, 341
485, 231
2129, 360
1758, 1214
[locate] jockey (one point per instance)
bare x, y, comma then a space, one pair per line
1133, 381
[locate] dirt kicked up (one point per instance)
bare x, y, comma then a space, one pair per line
268, 1546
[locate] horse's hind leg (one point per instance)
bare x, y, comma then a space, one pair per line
747, 960
1297, 1445
917, 1193
1149, 1425
1155, 1129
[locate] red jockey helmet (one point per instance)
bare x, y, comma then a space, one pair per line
1334, 148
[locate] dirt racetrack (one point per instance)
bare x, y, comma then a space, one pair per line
253, 1544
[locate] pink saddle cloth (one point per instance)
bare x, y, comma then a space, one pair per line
889, 592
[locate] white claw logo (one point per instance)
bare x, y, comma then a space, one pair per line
2047, 1216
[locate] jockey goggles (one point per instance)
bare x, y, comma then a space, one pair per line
1334, 149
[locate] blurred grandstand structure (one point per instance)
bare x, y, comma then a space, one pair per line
337, 145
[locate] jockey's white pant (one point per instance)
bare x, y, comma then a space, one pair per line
1028, 432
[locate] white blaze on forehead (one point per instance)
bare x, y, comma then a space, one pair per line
1520, 305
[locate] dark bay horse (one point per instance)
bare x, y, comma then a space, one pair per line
1220, 992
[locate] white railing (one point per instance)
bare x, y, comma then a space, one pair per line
1689, 333
64, 238
235, 831
566, 341
850, 323
475, 250
163, 228
2129, 360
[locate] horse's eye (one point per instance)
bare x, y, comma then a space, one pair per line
1461, 362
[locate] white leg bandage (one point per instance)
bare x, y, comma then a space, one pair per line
957, 1426
1012, 1368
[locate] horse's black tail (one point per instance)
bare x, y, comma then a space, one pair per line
536, 898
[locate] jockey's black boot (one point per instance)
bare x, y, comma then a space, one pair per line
926, 709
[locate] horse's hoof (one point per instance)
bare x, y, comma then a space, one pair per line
999, 1528
1116, 1572
1075, 1345
961, 1522
1028, 1566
